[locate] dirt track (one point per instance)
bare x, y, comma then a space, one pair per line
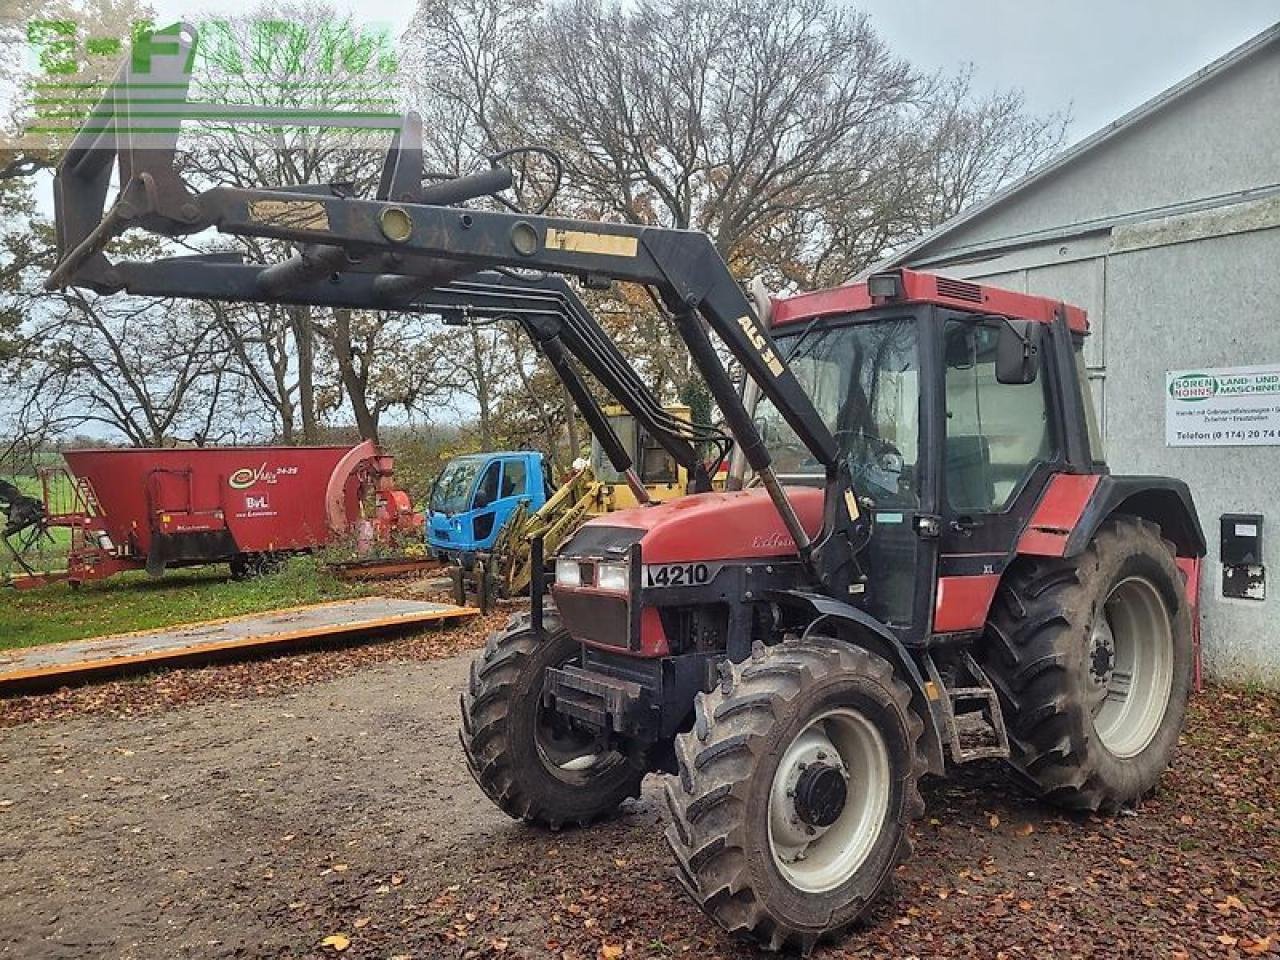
257, 827
230, 828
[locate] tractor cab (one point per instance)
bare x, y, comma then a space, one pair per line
952, 406
475, 494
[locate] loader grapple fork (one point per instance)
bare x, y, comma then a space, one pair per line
408, 248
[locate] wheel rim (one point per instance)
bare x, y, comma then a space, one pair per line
568, 753
1131, 666
828, 801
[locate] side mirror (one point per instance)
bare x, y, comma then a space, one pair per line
1018, 351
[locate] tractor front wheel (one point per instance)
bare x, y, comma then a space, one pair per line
1092, 658
531, 761
795, 789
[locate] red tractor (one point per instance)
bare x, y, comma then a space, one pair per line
1009, 597
930, 561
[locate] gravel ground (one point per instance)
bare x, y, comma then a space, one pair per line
319, 805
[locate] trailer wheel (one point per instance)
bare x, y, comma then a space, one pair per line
241, 565
1092, 658
795, 790
527, 758
247, 566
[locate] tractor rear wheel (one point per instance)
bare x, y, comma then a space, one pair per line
1092, 658
795, 789
530, 760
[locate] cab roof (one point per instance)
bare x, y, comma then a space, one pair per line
928, 288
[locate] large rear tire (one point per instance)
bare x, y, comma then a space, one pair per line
528, 759
1092, 658
795, 789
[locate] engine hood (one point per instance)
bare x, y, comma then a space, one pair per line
741, 525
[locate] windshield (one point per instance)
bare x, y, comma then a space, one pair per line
452, 491
863, 379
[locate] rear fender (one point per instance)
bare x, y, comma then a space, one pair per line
860, 629
1162, 500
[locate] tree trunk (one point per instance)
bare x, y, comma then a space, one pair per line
304, 339
483, 400
353, 381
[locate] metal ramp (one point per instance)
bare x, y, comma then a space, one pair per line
26, 668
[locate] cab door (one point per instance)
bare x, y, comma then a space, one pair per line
999, 450
484, 506
897, 467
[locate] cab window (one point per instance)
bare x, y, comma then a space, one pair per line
996, 432
487, 491
513, 475
625, 427
656, 465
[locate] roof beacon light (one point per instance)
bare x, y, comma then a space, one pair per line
884, 286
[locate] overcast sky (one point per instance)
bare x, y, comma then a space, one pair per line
1100, 58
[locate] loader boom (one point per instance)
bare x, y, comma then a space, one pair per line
406, 244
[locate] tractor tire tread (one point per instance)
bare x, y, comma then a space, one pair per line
1038, 625
498, 676
707, 800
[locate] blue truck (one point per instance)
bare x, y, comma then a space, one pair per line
475, 494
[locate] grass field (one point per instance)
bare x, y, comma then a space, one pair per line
133, 601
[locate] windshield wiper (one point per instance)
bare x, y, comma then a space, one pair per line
804, 335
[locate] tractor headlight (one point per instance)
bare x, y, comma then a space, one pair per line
613, 576
568, 573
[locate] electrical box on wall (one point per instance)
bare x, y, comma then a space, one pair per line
1244, 577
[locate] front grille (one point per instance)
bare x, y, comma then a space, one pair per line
594, 617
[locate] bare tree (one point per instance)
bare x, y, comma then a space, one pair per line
286, 56
968, 146
787, 131
132, 365
259, 337
388, 360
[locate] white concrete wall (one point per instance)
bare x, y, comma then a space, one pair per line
1209, 303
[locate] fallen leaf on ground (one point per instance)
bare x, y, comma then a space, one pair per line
1231, 903
610, 951
1256, 947
337, 941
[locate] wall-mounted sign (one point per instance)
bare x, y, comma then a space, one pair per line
1222, 407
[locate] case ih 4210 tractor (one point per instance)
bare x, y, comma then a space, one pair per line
997, 593
930, 562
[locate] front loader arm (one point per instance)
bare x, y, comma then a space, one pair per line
386, 252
